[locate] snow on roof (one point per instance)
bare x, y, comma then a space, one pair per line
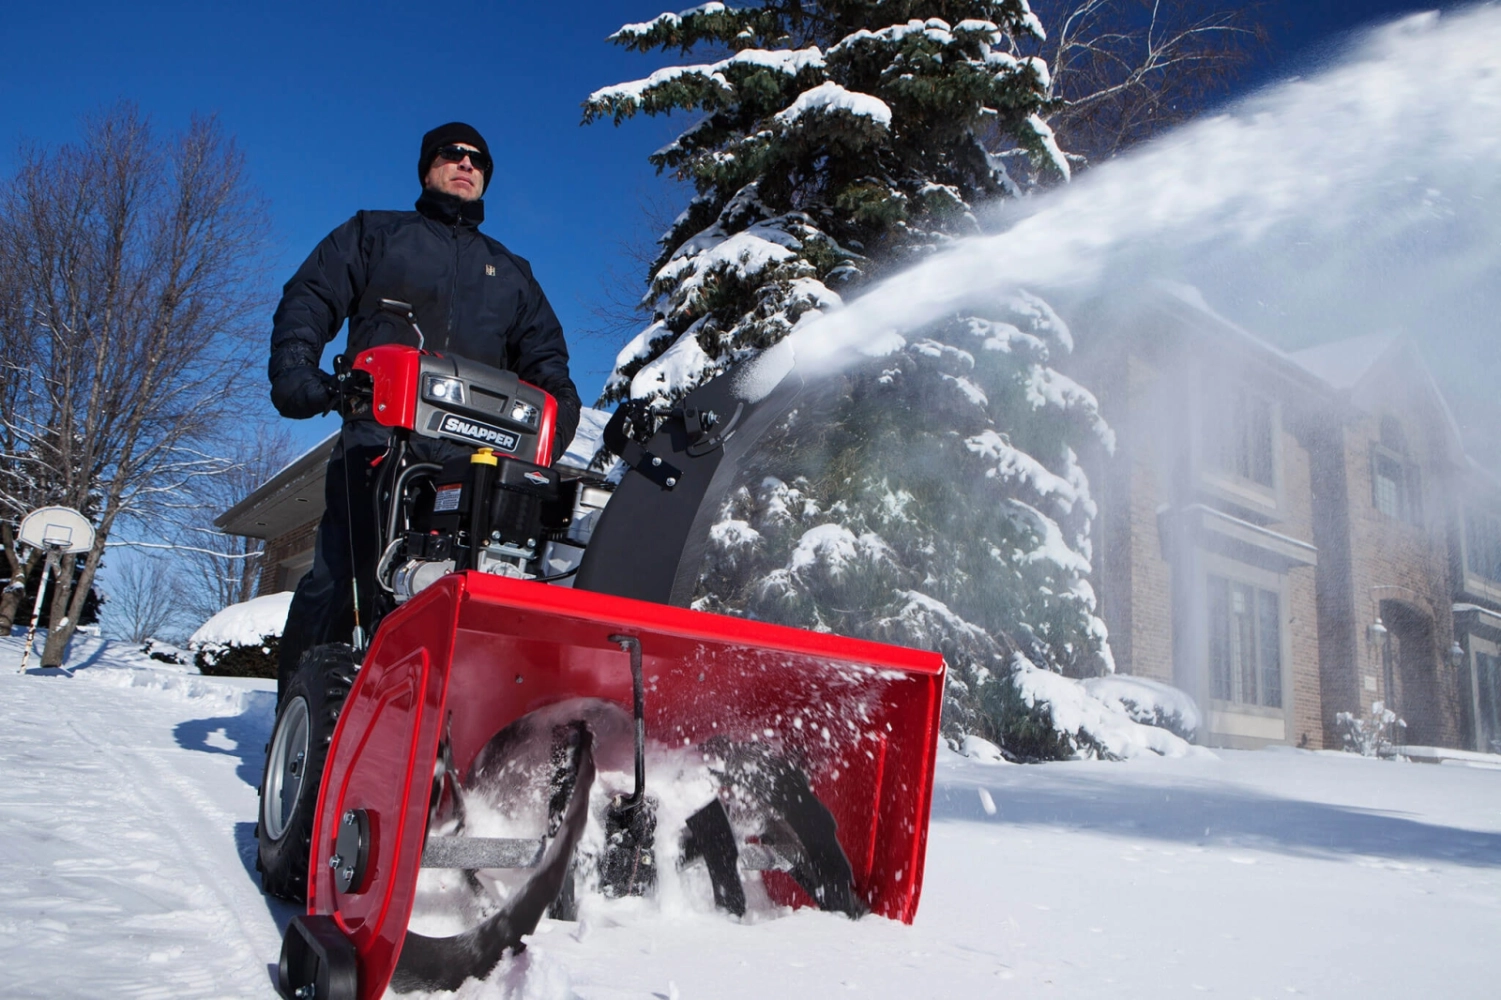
1191, 298
1344, 363
321, 449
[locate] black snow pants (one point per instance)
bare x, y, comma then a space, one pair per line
322, 608
347, 546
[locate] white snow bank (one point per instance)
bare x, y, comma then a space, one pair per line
1147, 701
1074, 710
244, 624
978, 748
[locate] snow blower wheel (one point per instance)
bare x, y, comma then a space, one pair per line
294, 767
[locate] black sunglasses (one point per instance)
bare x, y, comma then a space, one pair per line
456, 154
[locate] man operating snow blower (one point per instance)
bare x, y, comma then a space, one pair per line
536, 659
467, 293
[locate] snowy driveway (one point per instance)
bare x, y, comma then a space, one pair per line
127, 795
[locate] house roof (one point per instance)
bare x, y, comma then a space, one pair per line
1351, 367
1345, 363
1197, 317
288, 500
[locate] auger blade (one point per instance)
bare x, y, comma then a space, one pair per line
428, 963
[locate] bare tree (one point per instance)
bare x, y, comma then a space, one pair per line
219, 569
19, 491
145, 599
1125, 70
135, 266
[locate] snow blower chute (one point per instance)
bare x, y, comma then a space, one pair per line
811, 755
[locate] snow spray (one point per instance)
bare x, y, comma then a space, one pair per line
1363, 198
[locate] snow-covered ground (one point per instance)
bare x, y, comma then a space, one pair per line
127, 798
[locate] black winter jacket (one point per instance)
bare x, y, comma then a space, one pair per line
472, 297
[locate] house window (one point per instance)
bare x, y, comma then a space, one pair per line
1238, 436
1396, 487
1245, 643
1483, 544
1488, 696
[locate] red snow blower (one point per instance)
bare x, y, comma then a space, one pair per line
538, 707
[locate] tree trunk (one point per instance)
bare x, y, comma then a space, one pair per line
20, 572
68, 599
60, 625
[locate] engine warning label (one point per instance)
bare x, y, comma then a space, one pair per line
448, 498
473, 430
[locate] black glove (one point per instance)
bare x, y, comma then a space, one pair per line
304, 392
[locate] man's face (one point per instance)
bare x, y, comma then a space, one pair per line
461, 179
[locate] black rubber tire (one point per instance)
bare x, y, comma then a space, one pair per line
305, 723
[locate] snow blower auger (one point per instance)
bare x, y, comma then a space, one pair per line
495, 720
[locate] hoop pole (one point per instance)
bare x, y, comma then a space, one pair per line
36, 611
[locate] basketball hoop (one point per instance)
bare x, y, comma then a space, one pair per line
57, 531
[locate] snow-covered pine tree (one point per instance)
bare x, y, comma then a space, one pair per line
933, 497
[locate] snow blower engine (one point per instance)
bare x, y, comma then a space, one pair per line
483, 759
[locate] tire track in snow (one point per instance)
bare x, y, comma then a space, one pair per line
125, 878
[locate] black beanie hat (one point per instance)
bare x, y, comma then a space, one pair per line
445, 135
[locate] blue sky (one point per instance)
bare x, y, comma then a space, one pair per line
329, 100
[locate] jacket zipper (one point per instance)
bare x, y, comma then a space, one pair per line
453, 286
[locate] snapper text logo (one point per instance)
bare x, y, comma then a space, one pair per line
471, 430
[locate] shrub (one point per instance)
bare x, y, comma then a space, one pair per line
237, 660
1375, 736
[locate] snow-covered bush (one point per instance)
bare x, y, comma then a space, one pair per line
243, 639
1152, 703
1045, 716
1374, 736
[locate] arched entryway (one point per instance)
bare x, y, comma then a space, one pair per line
1409, 662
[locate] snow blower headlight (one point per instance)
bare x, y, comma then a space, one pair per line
443, 390
524, 412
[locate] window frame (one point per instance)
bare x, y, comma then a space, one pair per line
1408, 483
1240, 722
1247, 494
1478, 579
1242, 628
1477, 647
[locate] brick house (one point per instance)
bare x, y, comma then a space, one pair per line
1288, 536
